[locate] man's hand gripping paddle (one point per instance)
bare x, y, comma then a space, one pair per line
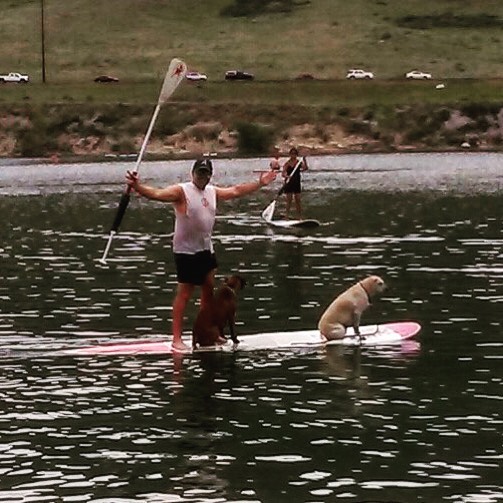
176, 72
268, 213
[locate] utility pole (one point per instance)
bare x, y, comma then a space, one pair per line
42, 30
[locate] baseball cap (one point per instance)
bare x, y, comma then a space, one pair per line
202, 165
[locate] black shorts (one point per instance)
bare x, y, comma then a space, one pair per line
293, 186
194, 269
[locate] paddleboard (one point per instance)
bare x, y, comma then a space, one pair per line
303, 224
373, 335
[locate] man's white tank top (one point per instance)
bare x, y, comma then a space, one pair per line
193, 229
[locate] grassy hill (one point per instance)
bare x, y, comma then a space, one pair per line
134, 39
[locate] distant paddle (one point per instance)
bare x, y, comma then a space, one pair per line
268, 213
176, 71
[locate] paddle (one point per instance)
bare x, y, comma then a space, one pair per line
268, 213
176, 71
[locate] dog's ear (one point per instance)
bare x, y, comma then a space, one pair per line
378, 283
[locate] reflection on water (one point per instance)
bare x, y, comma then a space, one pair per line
417, 422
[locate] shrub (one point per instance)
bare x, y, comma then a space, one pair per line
31, 144
358, 127
454, 138
35, 141
170, 122
443, 115
426, 125
497, 140
475, 110
124, 146
254, 138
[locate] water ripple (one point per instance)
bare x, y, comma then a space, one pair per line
415, 421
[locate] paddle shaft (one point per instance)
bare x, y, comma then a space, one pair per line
126, 196
174, 75
123, 203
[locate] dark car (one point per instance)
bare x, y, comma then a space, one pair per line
106, 78
238, 75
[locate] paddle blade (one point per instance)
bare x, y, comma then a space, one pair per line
268, 213
175, 74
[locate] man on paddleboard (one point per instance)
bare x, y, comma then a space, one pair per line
195, 204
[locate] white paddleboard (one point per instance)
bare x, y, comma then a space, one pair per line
373, 335
303, 224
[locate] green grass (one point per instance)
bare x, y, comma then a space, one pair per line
331, 94
135, 39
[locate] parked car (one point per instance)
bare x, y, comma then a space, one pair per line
238, 75
14, 77
416, 74
359, 74
106, 78
196, 76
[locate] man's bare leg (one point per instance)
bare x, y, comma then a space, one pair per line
183, 295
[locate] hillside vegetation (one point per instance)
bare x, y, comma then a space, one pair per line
459, 41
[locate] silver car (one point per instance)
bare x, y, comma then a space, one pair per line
359, 74
417, 75
196, 76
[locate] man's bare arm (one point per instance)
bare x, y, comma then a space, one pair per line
170, 194
243, 189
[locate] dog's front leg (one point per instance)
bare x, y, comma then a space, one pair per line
232, 329
356, 326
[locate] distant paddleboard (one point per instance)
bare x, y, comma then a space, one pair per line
285, 224
373, 336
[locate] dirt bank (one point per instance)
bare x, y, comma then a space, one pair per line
189, 130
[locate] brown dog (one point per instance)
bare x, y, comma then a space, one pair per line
211, 320
346, 310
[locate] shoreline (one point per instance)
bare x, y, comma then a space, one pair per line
153, 157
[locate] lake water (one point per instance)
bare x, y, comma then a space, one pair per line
417, 422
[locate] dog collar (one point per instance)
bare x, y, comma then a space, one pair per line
365, 290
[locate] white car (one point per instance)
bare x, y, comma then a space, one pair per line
14, 77
195, 76
415, 74
359, 74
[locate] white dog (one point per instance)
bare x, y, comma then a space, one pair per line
346, 310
